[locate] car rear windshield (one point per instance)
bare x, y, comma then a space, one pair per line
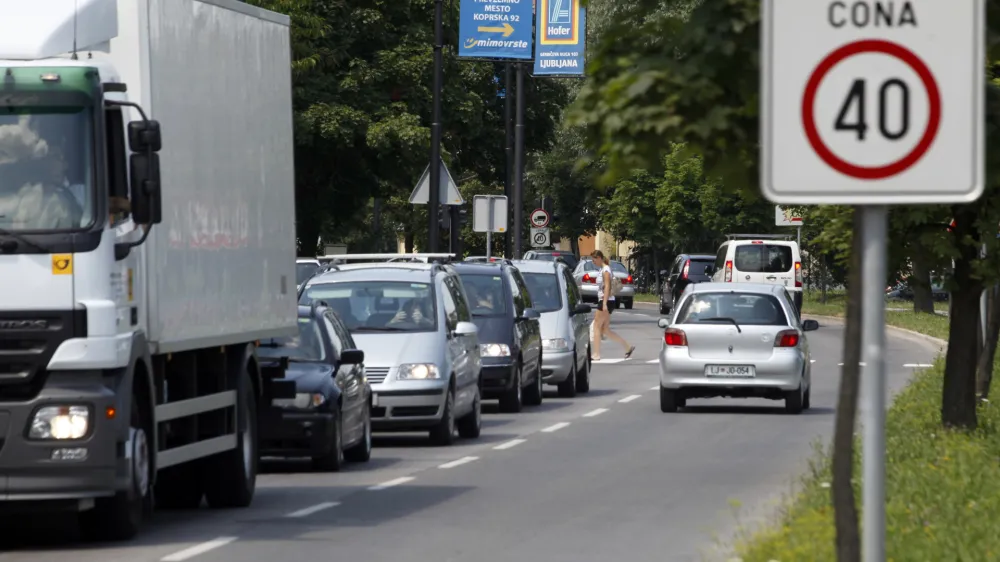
485, 293
544, 291
306, 346
697, 267
304, 271
617, 267
378, 306
745, 308
764, 258
567, 257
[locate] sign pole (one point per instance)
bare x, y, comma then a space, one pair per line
518, 230
489, 243
434, 193
875, 220
508, 120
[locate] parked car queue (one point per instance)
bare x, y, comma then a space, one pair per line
404, 343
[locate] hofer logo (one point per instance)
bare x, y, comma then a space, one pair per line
560, 22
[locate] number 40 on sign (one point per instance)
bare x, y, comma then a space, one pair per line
872, 101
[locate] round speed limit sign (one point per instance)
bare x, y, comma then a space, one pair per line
872, 101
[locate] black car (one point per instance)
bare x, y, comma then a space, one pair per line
329, 417
552, 255
686, 269
510, 338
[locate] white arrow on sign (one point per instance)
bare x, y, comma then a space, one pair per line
887, 95
540, 218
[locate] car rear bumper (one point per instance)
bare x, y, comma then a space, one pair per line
415, 405
782, 371
556, 366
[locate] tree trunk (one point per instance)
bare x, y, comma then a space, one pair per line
985, 370
823, 278
656, 272
408, 241
958, 402
920, 280
845, 508
574, 245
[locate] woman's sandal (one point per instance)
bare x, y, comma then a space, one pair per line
629, 352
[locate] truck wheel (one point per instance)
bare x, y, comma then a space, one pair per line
231, 477
119, 517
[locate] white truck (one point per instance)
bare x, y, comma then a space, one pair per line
130, 308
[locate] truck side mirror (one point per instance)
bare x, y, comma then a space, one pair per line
147, 205
144, 136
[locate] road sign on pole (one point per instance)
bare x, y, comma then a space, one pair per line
448, 192
489, 213
541, 237
888, 97
495, 29
539, 218
784, 217
872, 103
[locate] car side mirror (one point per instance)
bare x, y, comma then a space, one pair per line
809, 325
147, 205
352, 357
582, 309
144, 135
466, 329
530, 314
663, 323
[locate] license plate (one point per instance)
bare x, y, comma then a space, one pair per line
374, 399
730, 371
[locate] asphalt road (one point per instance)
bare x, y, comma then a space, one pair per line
601, 477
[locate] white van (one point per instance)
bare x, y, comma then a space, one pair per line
758, 258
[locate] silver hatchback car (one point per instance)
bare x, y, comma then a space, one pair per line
565, 324
735, 341
586, 274
422, 358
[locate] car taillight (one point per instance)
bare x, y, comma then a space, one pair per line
687, 268
587, 278
674, 337
628, 280
798, 274
729, 272
787, 338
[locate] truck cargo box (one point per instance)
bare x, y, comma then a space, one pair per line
216, 74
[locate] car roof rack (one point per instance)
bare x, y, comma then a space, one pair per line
760, 236
390, 258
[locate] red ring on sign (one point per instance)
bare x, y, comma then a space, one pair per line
838, 56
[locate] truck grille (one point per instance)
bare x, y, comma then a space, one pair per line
28, 340
376, 375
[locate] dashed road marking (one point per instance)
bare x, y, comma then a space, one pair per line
391, 483
628, 399
655, 388
313, 509
917, 365
652, 361
459, 462
607, 361
198, 549
596, 412
509, 444
555, 427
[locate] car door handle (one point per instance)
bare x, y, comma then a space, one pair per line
770, 278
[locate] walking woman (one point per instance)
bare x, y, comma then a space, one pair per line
605, 304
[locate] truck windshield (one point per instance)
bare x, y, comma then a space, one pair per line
45, 169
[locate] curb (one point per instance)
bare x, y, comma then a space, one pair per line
909, 334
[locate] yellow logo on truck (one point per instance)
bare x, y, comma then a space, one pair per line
62, 264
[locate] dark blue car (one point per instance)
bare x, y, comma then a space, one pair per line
510, 339
329, 417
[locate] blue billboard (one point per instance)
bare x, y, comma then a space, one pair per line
561, 38
495, 29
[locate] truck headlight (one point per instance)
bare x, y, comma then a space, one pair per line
60, 423
555, 344
494, 350
418, 372
302, 400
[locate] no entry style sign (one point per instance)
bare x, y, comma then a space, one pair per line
872, 102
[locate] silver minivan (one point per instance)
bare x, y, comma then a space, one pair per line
422, 358
565, 324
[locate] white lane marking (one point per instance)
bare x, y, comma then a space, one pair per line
459, 462
555, 427
628, 399
509, 444
812, 360
391, 483
859, 364
651, 361
197, 549
596, 412
313, 509
917, 365
655, 388
607, 361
